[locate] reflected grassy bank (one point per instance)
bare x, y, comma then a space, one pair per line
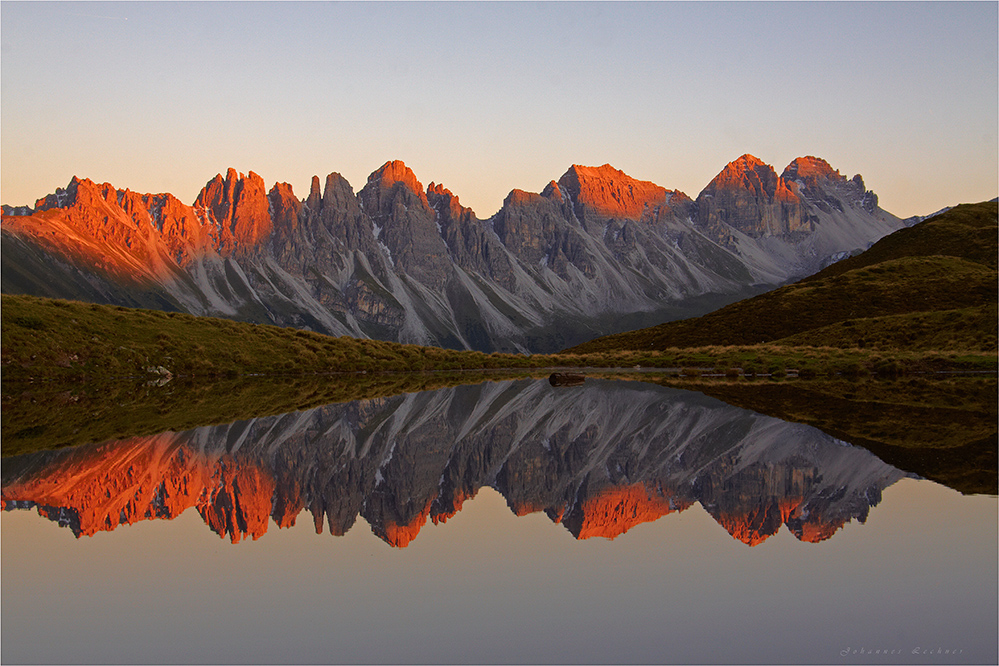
943, 428
940, 427
52, 416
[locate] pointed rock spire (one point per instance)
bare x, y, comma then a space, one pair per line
314, 202
284, 207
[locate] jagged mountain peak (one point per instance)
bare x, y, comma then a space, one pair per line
610, 192
336, 189
397, 261
395, 171
283, 188
602, 172
284, 206
238, 206
809, 165
745, 172
438, 191
815, 180
518, 197
748, 196
233, 176
84, 193
747, 160
810, 171
438, 188
64, 197
522, 439
441, 198
384, 180
229, 185
553, 191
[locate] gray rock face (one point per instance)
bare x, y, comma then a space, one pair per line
594, 253
749, 197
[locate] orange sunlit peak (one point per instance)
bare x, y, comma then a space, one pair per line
617, 509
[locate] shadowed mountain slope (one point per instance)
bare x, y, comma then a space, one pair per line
931, 286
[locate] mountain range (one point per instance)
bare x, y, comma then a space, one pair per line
931, 286
598, 459
593, 253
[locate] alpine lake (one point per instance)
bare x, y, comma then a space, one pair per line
632, 517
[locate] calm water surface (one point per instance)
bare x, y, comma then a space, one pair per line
505, 522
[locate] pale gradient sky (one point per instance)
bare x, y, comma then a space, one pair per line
487, 97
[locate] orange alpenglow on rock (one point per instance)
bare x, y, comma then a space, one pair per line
398, 535
414, 266
610, 192
396, 171
238, 206
810, 171
759, 524
615, 510
143, 478
238, 500
749, 196
130, 236
813, 528
137, 237
747, 172
119, 483
522, 197
443, 513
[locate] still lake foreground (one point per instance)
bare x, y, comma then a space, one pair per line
502, 522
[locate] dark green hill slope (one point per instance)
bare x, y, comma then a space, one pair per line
968, 231
931, 286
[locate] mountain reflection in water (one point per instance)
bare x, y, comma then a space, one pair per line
599, 459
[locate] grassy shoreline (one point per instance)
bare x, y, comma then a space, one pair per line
942, 427
48, 340
77, 373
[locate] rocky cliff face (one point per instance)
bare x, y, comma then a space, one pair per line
748, 196
602, 193
238, 210
598, 459
594, 252
804, 217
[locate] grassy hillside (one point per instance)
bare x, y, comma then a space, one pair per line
932, 286
66, 340
56, 342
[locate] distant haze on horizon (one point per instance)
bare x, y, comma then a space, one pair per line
487, 97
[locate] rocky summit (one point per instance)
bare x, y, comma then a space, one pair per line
595, 252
